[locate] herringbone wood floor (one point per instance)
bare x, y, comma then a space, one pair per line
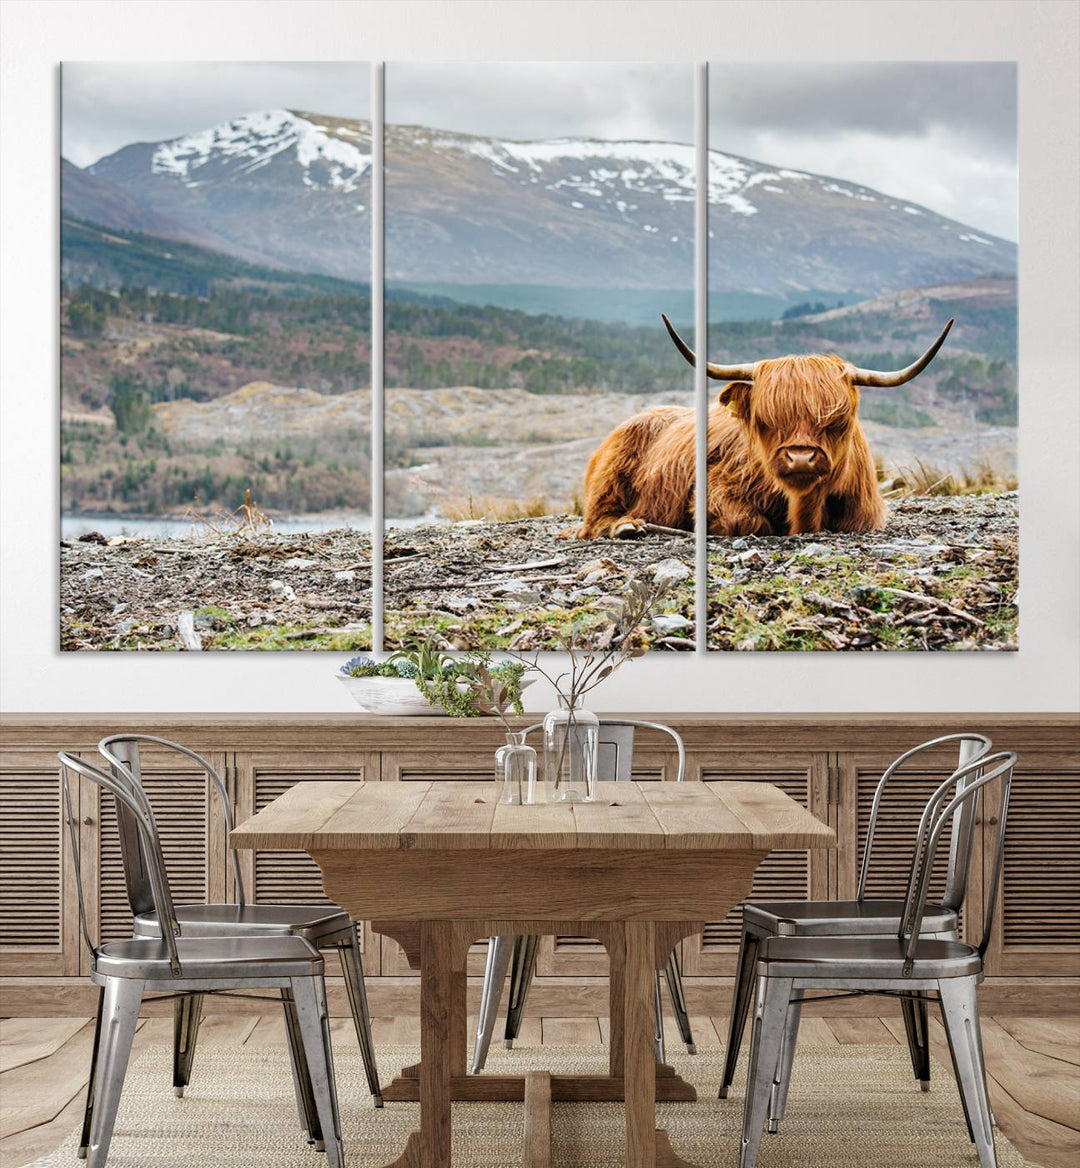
1034, 1064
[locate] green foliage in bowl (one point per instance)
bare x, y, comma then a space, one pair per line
465, 687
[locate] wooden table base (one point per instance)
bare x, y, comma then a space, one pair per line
637, 950
670, 1088
444, 865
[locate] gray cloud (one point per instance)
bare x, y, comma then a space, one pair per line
897, 99
938, 133
109, 104
545, 99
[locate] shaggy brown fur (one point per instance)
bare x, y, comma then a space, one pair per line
787, 455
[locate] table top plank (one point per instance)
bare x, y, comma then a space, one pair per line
452, 815
771, 814
373, 817
318, 815
298, 813
692, 822
535, 825
619, 818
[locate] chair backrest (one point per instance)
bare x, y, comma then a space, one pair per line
971, 748
131, 797
961, 791
121, 752
615, 747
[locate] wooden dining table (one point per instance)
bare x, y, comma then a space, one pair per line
440, 865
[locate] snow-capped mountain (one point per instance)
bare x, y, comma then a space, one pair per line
278, 187
293, 189
323, 154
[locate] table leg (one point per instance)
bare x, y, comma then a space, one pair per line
442, 1043
639, 1052
647, 946
614, 939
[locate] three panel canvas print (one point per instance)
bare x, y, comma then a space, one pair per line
537, 397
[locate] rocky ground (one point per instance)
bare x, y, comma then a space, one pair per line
941, 576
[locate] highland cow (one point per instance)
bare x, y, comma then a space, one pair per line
786, 454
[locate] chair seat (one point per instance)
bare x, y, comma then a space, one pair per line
839, 918
313, 922
211, 957
874, 958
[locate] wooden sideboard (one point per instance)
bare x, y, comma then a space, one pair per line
830, 763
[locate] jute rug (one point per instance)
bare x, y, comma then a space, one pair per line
849, 1107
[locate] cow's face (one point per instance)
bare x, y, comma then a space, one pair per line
798, 413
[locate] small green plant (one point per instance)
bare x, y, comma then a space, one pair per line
465, 687
496, 689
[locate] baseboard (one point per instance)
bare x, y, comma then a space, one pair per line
565, 997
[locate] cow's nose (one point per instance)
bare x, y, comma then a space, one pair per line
801, 458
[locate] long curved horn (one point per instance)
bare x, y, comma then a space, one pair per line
879, 380
718, 372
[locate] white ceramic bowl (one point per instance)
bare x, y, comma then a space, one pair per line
394, 696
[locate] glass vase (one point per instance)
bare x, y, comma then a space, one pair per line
571, 736
515, 771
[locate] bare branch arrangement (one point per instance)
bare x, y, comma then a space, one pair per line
594, 654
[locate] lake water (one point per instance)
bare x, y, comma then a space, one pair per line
72, 526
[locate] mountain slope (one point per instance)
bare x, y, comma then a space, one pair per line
93, 198
293, 189
276, 187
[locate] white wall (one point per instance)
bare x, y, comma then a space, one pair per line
1040, 34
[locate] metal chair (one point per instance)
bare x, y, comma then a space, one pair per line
861, 916
615, 756
170, 964
323, 926
901, 966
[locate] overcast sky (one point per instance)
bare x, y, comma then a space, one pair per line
545, 99
942, 134
109, 104
939, 134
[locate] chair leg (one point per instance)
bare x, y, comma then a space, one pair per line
658, 1012
956, 1074
740, 1008
770, 1018
88, 1109
353, 969
187, 1014
673, 975
779, 1093
960, 1008
500, 950
305, 1099
119, 1017
309, 994
522, 968
982, 1059
916, 1026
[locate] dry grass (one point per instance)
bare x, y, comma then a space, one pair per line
495, 508
926, 479
247, 519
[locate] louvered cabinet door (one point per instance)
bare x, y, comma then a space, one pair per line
292, 877
902, 806
1036, 929
585, 956
192, 831
787, 875
438, 767
39, 915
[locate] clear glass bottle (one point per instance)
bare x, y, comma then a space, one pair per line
515, 770
571, 736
